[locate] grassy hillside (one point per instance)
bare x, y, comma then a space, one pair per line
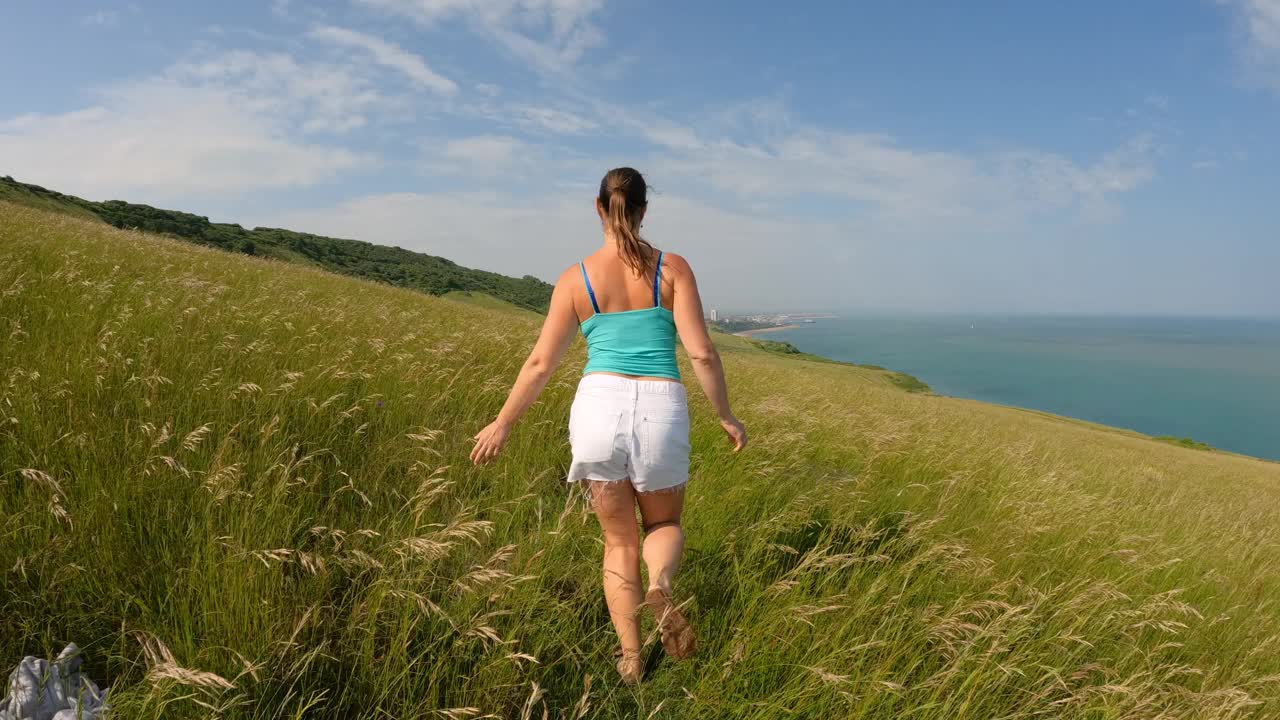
392, 265
263, 468
910, 383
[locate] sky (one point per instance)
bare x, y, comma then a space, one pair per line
987, 157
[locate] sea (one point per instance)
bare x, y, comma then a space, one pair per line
1212, 380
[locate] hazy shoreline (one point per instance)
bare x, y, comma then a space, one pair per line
1102, 370
759, 331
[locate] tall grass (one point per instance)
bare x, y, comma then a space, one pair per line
242, 488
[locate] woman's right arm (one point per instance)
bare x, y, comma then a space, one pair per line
702, 352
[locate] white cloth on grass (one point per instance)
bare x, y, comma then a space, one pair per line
52, 690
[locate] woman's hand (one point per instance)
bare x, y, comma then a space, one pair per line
737, 434
489, 442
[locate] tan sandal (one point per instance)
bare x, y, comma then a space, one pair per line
629, 666
677, 634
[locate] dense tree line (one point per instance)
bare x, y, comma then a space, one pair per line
393, 265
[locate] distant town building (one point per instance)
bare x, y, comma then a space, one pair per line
715, 315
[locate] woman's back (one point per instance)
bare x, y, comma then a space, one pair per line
627, 335
619, 288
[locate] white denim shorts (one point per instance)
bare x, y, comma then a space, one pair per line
621, 429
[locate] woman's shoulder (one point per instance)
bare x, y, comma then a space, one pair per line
570, 278
675, 262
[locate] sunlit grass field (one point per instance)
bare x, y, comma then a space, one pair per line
242, 488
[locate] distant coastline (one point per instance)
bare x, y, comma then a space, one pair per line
750, 325
771, 328
1100, 370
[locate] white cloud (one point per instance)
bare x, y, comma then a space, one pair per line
552, 34
502, 158
669, 135
1261, 23
874, 176
162, 142
1048, 180
1263, 18
479, 155
320, 97
229, 123
389, 55
558, 121
483, 148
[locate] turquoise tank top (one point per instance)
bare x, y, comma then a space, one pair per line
631, 342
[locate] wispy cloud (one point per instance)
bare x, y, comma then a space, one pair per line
1039, 181
478, 156
557, 121
551, 34
389, 55
158, 141
227, 123
1263, 17
317, 96
669, 135
490, 149
1260, 20
105, 18
878, 177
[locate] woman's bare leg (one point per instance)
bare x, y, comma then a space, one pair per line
663, 546
663, 536
615, 507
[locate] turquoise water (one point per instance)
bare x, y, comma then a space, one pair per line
1213, 380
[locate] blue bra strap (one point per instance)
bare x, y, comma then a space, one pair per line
590, 293
657, 280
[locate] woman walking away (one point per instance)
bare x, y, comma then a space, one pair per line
629, 424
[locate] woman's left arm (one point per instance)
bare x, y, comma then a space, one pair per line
557, 332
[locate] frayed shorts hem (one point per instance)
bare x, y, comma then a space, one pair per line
592, 488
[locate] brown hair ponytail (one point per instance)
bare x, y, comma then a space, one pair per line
623, 195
